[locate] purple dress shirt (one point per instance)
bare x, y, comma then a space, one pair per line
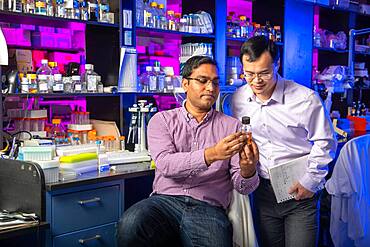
177, 142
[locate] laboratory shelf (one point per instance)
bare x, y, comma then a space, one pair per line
242, 40
62, 95
330, 49
51, 49
161, 33
9, 16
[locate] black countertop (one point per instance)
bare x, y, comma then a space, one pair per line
121, 172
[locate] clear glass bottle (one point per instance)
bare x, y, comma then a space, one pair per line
93, 9
60, 9
90, 79
316, 37
45, 70
42, 81
40, 7
247, 128
29, 7
76, 10
160, 77
148, 17
50, 8
139, 13
57, 132
103, 11
171, 20
68, 87
277, 34
25, 85
84, 11
153, 87
33, 86
144, 79
58, 86
155, 14
100, 84
76, 84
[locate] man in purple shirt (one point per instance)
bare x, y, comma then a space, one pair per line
200, 156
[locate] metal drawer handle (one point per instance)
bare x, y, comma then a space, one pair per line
96, 199
83, 241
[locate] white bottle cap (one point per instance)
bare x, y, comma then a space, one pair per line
157, 69
148, 68
89, 66
168, 71
24, 80
44, 61
75, 78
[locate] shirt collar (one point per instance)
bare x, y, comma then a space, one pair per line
189, 117
277, 95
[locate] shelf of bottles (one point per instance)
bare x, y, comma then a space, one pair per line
48, 80
156, 32
49, 49
88, 11
154, 18
345, 6
241, 28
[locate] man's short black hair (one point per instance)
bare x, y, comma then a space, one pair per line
194, 62
255, 46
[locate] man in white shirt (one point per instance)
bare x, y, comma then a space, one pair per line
288, 121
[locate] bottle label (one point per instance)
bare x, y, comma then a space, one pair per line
40, 4
58, 87
24, 88
78, 87
152, 83
91, 83
43, 86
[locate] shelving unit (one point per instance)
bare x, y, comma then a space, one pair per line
159, 33
9, 16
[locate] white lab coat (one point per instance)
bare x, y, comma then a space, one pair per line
240, 216
350, 190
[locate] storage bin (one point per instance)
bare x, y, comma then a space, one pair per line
38, 153
43, 40
50, 169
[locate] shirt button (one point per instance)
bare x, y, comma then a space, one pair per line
269, 141
185, 190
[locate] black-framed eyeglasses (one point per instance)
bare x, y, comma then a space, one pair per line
205, 81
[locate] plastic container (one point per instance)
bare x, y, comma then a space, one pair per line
50, 169
38, 153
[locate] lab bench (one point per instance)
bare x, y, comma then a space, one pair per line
86, 210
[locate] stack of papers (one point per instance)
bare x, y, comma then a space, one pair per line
10, 220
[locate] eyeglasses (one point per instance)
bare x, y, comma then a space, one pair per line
249, 76
205, 81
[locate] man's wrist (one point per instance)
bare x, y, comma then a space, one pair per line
247, 173
209, 156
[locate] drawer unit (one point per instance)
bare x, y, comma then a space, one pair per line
101, 236
84, 209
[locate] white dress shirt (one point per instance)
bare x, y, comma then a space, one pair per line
291, 124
